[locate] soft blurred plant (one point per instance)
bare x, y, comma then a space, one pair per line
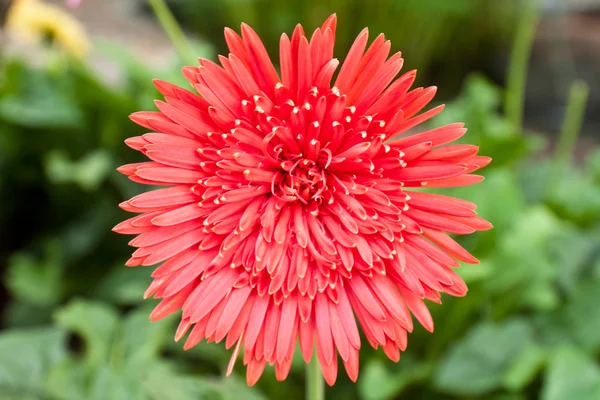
72, 318
445, 38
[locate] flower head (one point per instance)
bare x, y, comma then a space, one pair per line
32, 21
290, 213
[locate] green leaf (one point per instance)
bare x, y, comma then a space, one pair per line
596, 269
378, 383
34, 98
533, 180
524, 368
577, 198
23, 314
89, 172
162, 382
524, 264
115, 385
38, 283
93, 169
472, 273
478, 364
142, 340
522, 257
534, 228
124, 285
498, 198
97, 324
233, 388
511, 396
573, 250
571, 375
477, 106
83, 234
68, 380
541, 295
582, 315
25, 358
208, 353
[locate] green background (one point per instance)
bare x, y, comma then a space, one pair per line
74, 325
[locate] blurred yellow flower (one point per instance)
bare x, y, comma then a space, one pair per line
33, 21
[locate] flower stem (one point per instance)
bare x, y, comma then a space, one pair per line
173, 30
315, 385
572, 123
519, 60
569, 132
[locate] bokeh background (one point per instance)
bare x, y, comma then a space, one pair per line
73, 323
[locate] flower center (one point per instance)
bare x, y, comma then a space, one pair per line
303, 180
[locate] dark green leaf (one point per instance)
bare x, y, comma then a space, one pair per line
97, 324
164, 383
142, 339
33, 281
524, 368
582, 315
115, 385
379, 383
88, 172
25, 359
35, 98
571, 375
478, 364
68, 380
124, 285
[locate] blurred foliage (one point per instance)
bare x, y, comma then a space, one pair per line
445, 39
75, 326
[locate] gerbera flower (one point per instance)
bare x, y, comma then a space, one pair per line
289, 213
32, 21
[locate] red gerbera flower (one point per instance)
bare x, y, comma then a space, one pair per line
289, 213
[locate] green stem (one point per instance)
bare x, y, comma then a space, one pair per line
569, 133
572, 123
315, 385
173, 30
519, 61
